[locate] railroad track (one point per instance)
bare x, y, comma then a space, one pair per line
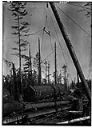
50, 116
32, 116
39, 113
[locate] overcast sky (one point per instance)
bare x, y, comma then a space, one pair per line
80, 39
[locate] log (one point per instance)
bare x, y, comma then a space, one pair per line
75, 120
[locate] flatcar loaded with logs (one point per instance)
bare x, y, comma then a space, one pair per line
44, 92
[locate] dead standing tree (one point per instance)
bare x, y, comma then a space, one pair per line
28, 66
21, 30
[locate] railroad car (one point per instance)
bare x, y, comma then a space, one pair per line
37, 93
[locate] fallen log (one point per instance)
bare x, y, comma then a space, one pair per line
75, 120
44, 105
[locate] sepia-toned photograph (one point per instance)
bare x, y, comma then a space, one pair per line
46, 63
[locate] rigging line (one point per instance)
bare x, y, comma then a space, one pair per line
36, 32
47, 56
45, 18
74, 21
47, 32
50, 32
43, 28
79, 6
42, 39
43, 35
58, 40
